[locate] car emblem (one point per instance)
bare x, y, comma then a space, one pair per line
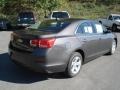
20, 40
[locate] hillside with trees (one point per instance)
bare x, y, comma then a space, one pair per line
77, 8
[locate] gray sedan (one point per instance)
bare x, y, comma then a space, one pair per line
61, 45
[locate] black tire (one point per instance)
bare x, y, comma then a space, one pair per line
113, 48
72, 59
114, 27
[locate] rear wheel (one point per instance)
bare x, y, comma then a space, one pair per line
74, 65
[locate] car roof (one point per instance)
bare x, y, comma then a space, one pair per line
115, 14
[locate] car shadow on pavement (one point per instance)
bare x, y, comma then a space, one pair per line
10, 72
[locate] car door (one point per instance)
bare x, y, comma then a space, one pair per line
109, 23
89, 40
105, 38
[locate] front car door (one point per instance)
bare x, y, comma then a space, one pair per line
105, 38
89, 40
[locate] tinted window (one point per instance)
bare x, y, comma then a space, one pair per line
60, 15
26, 15
85, 28
53, 26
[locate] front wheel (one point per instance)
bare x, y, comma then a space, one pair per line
113, 48
74, 65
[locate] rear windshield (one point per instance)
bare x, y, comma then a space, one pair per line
26, 15
53, 26
60, 15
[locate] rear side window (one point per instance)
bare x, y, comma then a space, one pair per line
85, 28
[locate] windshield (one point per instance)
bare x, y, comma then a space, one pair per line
60, 15
53, 26
116, 17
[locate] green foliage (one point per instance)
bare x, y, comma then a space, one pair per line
47, 5
92, 11
77, 8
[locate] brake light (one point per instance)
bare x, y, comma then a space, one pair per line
42, 43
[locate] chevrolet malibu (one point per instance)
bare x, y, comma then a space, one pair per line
61, 45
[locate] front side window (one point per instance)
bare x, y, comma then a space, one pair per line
99, 28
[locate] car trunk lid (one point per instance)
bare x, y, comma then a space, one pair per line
22, 39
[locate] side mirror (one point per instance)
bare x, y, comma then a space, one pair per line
107, 31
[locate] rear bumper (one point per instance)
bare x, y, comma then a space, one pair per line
44, 61
36, 64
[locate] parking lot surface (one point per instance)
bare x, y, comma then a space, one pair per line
102, 73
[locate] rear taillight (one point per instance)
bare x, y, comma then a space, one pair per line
42, 43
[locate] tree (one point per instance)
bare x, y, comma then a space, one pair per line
15, 6
47, 5
2, 3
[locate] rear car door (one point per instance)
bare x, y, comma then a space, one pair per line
89, 40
